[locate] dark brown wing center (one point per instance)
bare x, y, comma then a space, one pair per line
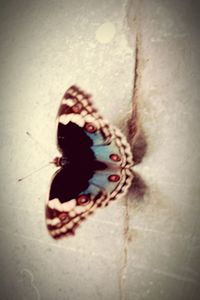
79, 163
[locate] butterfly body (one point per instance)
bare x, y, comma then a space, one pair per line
95, 166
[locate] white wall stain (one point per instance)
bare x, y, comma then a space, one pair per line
105, 33
32, 283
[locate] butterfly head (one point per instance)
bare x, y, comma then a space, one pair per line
61, 161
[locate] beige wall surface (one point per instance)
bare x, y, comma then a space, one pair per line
137, 248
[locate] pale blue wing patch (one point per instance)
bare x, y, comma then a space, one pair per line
92, 190
101, 180
103, 153
97, 138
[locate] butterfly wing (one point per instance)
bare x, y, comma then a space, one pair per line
97, 167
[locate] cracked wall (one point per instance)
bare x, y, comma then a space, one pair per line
139, 61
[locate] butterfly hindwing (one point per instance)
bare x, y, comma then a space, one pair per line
63, 218
95, 165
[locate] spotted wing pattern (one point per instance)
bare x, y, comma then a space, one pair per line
96, 166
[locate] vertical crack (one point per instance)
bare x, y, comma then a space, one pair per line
126, 233
133, 126
132, 135
136, 136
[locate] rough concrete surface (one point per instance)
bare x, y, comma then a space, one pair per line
123, 52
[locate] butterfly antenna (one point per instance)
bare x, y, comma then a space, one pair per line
36, 142
35, 171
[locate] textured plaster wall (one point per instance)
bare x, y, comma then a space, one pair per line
144, 248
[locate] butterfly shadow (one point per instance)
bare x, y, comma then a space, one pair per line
138, 142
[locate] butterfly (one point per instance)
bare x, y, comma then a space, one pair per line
95, 166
